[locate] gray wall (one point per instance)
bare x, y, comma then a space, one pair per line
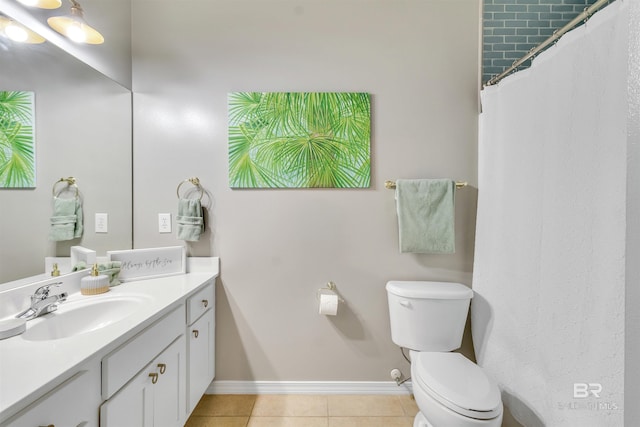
420, 62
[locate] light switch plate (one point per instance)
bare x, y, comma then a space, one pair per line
164, 222
102, 223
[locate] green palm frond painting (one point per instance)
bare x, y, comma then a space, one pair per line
17, 140
299, 140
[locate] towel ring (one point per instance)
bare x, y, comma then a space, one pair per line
193, 181
71, 182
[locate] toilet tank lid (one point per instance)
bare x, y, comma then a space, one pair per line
429, 290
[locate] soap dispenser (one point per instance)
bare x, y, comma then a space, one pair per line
55, 272
95, 283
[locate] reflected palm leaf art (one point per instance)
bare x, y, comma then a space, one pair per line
17, 142
299, 140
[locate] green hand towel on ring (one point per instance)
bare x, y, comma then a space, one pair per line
66, 221
189, 220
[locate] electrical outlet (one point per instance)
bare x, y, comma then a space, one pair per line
102, 223
164, 222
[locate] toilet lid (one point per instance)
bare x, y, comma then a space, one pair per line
457, 383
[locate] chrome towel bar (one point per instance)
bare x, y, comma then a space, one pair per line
392, 184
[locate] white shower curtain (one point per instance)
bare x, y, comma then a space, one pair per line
549, 275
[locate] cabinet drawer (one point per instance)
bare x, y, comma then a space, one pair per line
122, 364
200, 302
70, 404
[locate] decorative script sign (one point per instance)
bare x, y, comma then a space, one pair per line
149, 263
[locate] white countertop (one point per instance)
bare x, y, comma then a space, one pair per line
29, 368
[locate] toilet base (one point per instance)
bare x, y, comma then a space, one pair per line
420, 421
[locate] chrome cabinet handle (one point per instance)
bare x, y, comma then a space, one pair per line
154, 377
163, 368
196, 333
205, 302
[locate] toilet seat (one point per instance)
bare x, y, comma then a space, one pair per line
457, 383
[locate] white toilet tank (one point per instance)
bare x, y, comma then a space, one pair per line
428, 316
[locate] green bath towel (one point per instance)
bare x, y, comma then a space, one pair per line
426, 215
66, 221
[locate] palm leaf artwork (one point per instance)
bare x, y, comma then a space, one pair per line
299, 140
17, 141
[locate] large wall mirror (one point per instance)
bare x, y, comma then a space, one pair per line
83, 128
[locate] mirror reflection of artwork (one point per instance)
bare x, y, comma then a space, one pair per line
17, 140
299, 140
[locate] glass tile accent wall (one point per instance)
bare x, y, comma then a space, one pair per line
513, 27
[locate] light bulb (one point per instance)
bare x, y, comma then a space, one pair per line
74, 27
42, 4
16, 32
76, 33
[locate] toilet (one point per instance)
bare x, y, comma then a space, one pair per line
428, 318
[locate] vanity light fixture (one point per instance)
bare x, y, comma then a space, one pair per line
18, 32
75, 27
42, 4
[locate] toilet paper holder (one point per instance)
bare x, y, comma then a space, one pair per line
331, 288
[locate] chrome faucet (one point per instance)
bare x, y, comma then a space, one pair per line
42, 303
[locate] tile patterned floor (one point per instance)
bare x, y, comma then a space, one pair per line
229, 410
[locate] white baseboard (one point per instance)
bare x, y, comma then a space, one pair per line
308, 387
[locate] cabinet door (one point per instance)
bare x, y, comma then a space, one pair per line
132, 405
155, 397
201, 357
169, 391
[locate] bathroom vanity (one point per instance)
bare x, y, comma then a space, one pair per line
141, 354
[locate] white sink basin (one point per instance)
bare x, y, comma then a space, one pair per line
83, 315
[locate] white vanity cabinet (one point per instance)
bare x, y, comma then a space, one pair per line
165, 391
149, 369
71, 404
201, 344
